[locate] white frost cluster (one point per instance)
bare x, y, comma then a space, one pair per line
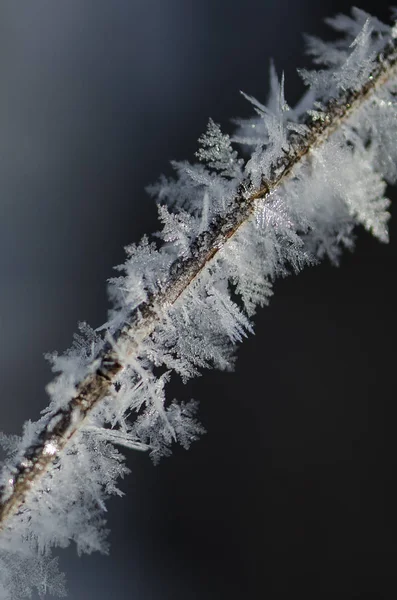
310, 216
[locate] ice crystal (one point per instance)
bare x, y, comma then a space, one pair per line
216, 150
227, 225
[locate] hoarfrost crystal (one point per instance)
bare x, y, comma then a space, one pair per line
313, 173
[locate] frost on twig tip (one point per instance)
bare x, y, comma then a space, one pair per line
313, 172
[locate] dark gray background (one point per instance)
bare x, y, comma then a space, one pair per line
291, 490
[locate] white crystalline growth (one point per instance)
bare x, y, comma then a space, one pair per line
310, 215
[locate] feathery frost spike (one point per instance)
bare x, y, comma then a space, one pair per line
312, 174
216, 150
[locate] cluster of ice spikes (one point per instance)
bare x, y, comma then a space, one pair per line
228, 225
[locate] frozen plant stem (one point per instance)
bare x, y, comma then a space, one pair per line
142, 320
195, 245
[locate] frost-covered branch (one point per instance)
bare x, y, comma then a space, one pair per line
312, 174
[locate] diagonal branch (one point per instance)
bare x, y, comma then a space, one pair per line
61, 426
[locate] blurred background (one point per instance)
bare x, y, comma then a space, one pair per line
291, 491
